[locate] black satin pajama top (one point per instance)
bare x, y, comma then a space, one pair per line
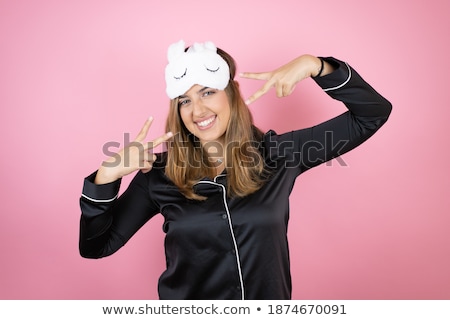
230, 248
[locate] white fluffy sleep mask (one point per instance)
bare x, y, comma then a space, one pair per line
200, 64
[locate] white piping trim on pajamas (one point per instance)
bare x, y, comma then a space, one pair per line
218, 176
98, 200
345, 82
238, 260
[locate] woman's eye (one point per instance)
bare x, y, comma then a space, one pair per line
182, 102
208, 93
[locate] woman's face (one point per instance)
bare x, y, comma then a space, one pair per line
205, 113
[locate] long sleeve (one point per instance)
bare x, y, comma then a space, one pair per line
367, 112
108, 221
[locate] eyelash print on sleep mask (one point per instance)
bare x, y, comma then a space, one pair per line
200, 64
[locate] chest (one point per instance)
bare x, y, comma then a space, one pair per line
265, 211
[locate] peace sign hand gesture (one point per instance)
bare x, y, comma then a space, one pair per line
285, 78
136, 156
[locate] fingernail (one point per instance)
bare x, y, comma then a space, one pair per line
247, 102
241, 74
150, 118
169, 134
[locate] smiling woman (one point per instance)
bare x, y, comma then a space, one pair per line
225, 221
228, 133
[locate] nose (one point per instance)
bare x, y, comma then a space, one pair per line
198, 108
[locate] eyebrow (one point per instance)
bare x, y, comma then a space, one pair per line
199, 91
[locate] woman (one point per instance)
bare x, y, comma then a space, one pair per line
222, 185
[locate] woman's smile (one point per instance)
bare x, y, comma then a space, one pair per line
207, 123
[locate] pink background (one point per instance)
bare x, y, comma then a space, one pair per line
77, 74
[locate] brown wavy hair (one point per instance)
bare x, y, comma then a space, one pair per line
187, 162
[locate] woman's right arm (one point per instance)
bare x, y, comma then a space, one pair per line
108, 221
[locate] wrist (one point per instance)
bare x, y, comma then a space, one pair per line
319, 66
105, 174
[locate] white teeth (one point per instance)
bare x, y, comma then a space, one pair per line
205, 122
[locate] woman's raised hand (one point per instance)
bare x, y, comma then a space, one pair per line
285, 77
137, 155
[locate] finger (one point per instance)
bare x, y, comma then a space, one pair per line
288, 89
283, 90
258, 94
279, 90
147, 163
148, 156
143, 133
255, 75
158, 141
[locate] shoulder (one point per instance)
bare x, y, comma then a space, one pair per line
273, 143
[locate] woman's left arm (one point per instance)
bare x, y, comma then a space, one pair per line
285, 78
368, 110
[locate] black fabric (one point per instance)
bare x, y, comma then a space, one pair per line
235, 248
